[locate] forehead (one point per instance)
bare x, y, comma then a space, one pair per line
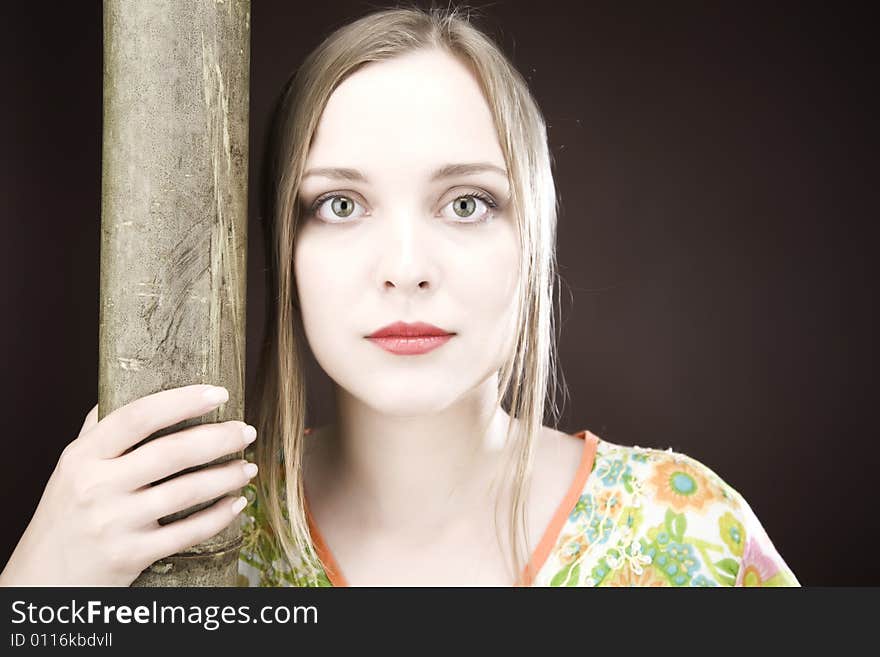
412, 111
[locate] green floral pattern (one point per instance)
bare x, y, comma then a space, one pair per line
645, 517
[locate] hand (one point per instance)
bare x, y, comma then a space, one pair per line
97, 521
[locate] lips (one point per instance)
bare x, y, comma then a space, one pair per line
404, 330
410, 339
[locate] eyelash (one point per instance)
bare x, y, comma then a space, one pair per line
488, 200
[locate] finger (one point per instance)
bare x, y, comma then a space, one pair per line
182, 534
90, 421
191, 489
128, 425
178, 451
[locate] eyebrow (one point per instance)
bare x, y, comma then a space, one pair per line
446, 171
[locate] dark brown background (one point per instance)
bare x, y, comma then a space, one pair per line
716, 238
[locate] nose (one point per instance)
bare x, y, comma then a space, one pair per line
405, 260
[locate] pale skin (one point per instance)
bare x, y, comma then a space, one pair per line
401, 485
97, 521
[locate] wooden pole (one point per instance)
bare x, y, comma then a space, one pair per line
174, 223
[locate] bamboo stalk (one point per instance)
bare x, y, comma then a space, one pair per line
174, 223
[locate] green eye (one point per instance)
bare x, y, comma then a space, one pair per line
342, 206
475, 206
464, 206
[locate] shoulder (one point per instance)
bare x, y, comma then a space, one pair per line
655, 517
662, 476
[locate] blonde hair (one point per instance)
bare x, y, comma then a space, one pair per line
527, 380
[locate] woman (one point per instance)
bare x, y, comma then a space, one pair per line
414, 186
414, 217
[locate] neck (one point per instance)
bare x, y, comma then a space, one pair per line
408, 475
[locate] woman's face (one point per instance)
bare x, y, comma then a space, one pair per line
391, 242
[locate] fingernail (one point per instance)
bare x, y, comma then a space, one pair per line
250, 434
239, 504
216, 395
250, 469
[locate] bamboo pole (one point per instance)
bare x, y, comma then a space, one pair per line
174, 223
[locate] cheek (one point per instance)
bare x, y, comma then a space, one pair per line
486, 286
487, 283
323, 283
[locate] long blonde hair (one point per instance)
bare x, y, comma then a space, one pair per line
527, 380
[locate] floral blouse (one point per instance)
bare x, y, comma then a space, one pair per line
632, 516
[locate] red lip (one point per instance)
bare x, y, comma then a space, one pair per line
404, 330
410, 339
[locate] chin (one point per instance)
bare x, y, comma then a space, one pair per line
406, 401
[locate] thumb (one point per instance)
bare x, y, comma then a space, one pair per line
90, 421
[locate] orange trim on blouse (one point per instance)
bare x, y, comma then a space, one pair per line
542, 550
